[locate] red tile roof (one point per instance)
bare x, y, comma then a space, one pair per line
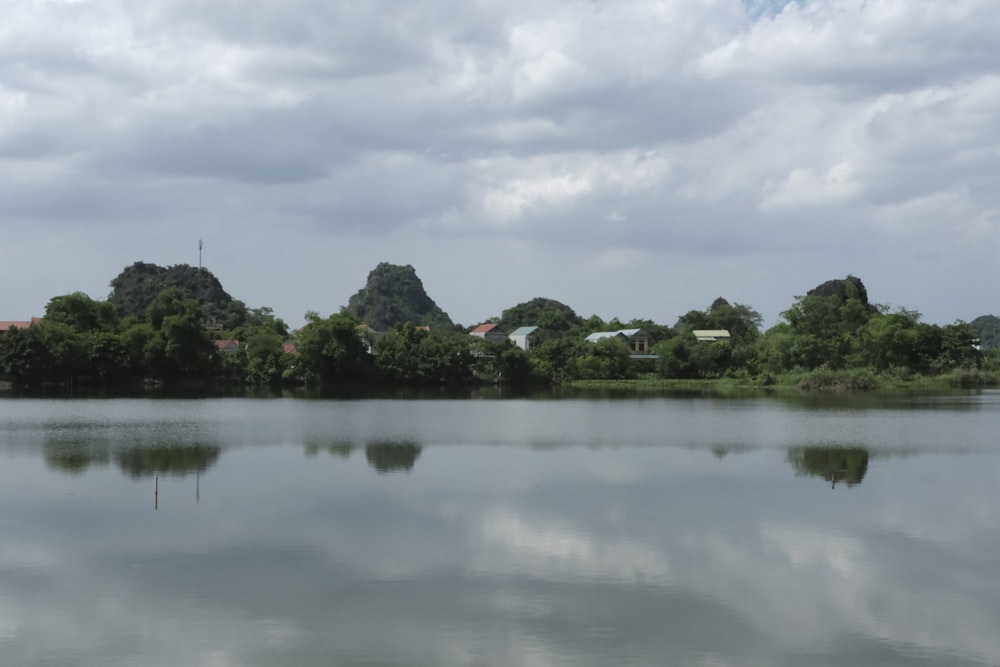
484, 328
7, 325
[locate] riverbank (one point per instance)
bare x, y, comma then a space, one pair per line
844, 381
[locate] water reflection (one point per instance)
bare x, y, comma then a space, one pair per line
385, 457
339, 449
388, 457
846, 465
172, 460
76, 457
585, 533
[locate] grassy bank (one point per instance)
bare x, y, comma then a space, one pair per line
844, 381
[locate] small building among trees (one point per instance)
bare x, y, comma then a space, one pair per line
636, 339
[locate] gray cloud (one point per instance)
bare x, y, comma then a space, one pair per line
786, 142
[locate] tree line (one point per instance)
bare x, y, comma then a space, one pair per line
832, 328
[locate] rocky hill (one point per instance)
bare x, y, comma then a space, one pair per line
988, 328
137, 285
842, 288
395, 295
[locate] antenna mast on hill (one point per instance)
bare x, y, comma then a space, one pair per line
199, 254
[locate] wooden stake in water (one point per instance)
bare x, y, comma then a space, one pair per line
156, 493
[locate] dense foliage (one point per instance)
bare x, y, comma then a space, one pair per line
137, 286
830, 338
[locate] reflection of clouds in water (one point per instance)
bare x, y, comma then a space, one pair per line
517, 552
553, 551
109, 626
812, 588
915, 508
804, 585
28, 556
8, 623
807, 549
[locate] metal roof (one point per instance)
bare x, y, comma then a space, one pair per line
523, 331
598, 335
710, 334
627, 333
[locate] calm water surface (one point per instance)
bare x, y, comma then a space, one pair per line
702, 532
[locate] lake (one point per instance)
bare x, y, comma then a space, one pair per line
696, 531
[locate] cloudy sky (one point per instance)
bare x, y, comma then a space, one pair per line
635, 158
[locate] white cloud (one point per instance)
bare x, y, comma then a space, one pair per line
558, 551
691, 131
803, 188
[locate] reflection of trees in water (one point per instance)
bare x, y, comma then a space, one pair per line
388, 457
847, 465
339, 449
75, 457
385, 457
174, 460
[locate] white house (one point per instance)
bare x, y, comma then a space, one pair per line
522, 337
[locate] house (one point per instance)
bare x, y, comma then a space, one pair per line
212, 324
636, 339
522, 337
711, 335
369, 336
227, 346
489, 332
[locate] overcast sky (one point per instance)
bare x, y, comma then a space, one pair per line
631, 158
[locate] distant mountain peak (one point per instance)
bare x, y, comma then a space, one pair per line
394, 294
137, 286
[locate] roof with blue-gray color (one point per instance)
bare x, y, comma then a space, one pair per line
598, 335
523, 331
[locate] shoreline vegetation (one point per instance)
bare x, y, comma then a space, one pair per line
792, 384
176, 329
817, 382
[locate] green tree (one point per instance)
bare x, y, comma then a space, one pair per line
23, 356
107, 357
825, 328
958, 347
174, 343
888, 341
332, 350
674, 357
410, 354
606, 359
64, 357
81, 313
685, 357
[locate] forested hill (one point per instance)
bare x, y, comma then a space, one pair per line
988, 328
395, 295
138, 285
